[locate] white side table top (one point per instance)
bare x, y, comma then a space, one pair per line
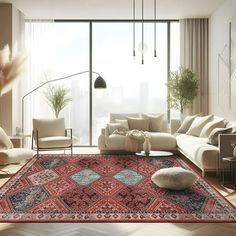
154, 154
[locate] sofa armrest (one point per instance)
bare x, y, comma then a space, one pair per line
227, 142
174, 125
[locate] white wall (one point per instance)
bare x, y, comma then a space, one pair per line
218, 72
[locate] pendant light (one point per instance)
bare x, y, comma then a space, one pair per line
142, 35
155, 28
134, 28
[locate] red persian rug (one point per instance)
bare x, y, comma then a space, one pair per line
106, 188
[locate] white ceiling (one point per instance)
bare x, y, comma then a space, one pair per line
114, 9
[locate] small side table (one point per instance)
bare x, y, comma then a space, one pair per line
152, 154
232, 166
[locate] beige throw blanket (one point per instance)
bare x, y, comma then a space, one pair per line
134, 139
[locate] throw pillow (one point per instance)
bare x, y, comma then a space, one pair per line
115, 126
5, 142
210, 126
213, 137
124, 123
188, 120
155, 122
198, 124
138, 123
175, 178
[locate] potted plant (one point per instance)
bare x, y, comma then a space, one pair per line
182, 87
58, 98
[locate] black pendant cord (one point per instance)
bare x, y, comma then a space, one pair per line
134, 54
142, 35
155, 29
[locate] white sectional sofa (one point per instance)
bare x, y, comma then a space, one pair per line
197, 149
108, 142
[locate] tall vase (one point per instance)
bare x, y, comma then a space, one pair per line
146, 146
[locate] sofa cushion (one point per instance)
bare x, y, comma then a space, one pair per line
116, 142
162, 141
115, 126
188, 120
198, 124
231, 124
210, 126
122, 116
123, 123
176, 178
155, 122
138, 123
213, 137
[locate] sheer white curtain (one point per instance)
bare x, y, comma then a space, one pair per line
39, 68
194, 55
56, 50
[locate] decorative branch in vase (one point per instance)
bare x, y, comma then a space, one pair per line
10, 69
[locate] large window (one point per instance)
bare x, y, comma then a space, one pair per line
132, 86
59, 49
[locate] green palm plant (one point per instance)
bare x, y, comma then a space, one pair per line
58, 98
182, 87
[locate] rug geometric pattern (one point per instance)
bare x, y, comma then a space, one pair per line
106, 188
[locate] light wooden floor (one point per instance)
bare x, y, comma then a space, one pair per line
120, 229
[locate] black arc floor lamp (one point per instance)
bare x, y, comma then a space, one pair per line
99, 83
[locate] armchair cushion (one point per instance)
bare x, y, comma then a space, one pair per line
56, 141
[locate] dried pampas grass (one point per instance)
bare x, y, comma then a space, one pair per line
10, 68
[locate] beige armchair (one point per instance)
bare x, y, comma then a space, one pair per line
9, 154
51, 134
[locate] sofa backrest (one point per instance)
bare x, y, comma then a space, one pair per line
165, 126
122, 116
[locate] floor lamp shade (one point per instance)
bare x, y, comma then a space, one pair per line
100, 83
